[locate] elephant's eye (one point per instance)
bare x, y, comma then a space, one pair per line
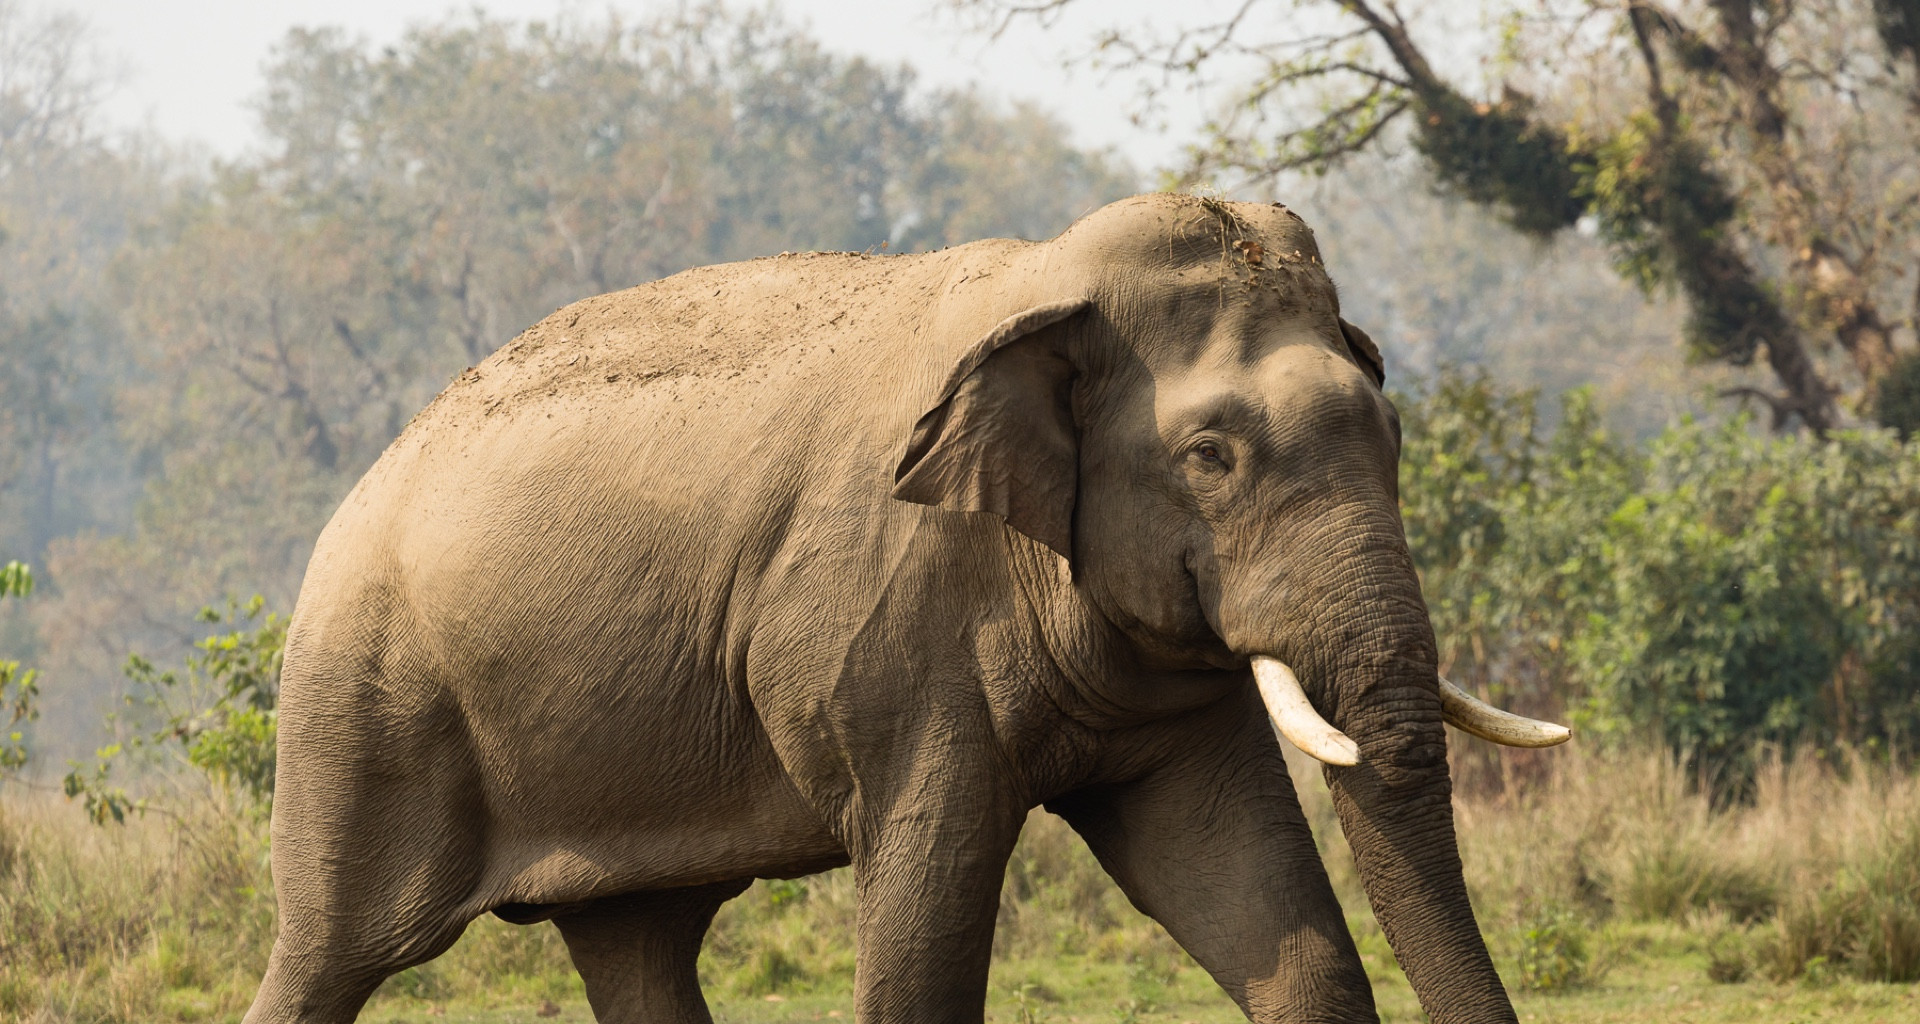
1211, 454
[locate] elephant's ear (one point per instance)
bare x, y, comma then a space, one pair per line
1364, 352
1001, 437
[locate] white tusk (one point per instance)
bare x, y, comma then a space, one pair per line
1295, 717
1468, 713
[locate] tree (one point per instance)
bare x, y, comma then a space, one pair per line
66, 201
1754, 156
1442, 284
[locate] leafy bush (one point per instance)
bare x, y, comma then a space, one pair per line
1728, 960
1715, 589
219, 717
1554, 953
18, 686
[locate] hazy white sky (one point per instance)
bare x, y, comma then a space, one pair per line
193, 65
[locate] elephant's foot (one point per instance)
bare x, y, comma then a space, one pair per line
637, 953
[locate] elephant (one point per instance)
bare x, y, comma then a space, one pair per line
831, 559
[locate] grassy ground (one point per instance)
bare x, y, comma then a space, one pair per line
1608, 891
1659, 977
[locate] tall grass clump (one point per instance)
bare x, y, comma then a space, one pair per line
1819, 869
163, 919
1849, 837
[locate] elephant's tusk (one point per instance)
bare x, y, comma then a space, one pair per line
1295, 717
1468, 713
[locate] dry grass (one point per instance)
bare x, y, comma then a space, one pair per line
162, 919
1610, 871
1819, 871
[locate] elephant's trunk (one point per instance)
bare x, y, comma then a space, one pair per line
1396, 808
1364, 647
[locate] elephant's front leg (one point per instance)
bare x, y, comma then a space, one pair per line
928, 873
1211, 843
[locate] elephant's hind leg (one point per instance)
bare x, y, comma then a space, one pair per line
637, 953
378, 842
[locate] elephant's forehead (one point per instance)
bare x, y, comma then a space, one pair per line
1291, 362
1185, 265
1197, 313
1172, 230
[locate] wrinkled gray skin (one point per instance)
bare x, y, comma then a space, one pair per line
827, 559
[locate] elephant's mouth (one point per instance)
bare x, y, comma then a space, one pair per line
1210, 639
1294, 716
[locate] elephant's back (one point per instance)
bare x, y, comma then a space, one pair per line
713, 332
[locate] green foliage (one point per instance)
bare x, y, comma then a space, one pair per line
786, 892
218, 716
16, 580
1899, 24
1897, 400
1555, 954
1667, 214
1763, 589
1715, 589
1504, 526
1502, 155
18, 687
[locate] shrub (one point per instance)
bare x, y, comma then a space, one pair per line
18, 686
219, 718
1727, 963
1714, 589
1554, 953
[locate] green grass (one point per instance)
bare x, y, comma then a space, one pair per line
1608, 891
1658, 976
